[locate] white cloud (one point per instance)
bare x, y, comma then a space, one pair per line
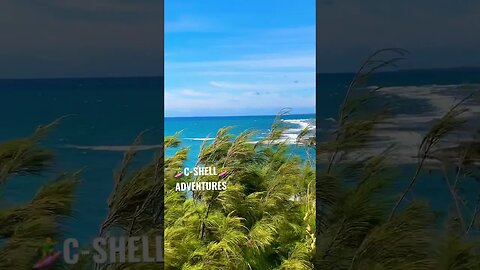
193, 93
265, 87
278, 72
294, 35
190, 24
300, 37
277, 62
228, 102
252, 84
260, 74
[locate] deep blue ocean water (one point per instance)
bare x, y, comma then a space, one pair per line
431, 186
104, 112
332, 87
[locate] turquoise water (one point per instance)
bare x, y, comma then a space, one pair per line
194, 130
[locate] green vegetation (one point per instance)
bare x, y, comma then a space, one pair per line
264, 220
361, 222
135, 206
24, 228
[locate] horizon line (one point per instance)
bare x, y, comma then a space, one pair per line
406, 70
85, 77
162, 75
247, 115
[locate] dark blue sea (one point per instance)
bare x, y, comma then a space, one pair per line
417, 98
103, 112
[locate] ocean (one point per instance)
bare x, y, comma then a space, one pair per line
107, 115
417, 99
195, 130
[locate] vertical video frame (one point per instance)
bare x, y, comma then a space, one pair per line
239, 135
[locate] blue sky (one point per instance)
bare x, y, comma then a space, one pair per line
239, 57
